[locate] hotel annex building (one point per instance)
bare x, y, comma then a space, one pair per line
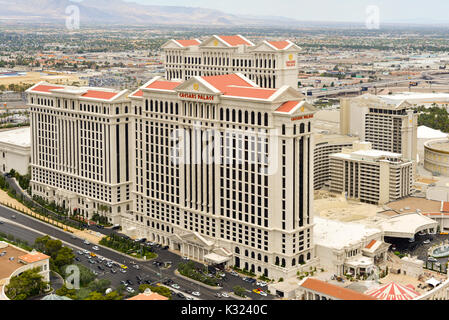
143, 156
270, 64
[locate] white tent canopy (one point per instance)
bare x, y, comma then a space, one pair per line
216, 258
407, 225
433, 282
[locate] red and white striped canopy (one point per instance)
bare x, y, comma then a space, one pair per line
393, 291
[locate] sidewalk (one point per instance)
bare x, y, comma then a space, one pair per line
6, 200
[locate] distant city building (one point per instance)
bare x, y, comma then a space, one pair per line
270, 64
325, 145
388, 125
15, 150
235, 209
372, 176
80, 148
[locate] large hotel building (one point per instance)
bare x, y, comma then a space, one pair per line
270, 64
371, 176
80, 148
388, 125
216, 167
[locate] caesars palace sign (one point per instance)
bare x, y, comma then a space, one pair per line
196, 96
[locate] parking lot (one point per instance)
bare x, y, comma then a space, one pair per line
420, 247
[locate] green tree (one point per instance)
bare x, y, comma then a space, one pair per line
240, 291
28, 284
99, 285
64, 257
64, 291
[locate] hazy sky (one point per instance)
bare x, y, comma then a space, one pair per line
428, 11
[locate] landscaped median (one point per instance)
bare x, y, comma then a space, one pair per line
127, 246
189, 270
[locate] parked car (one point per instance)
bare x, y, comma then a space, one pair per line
196, 293
86, 242
175, 286
185, 258
225, 295
77, 259
130, 290
180, 295
113, 271
426, 241
136, 266
432, 259
100, 268
234, 273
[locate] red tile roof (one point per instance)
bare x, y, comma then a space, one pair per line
236, 86
45, 88
279, 44
164, 85
33, 257
258, 93
333, 290
235, 40
223, 81
148, 296
189, 42
96, 94
138, 94
369, 245
445, 207
287, 106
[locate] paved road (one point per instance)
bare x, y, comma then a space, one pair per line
147, 270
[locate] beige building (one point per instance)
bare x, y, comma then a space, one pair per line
15, 150
270, 64
80, 148
371, 176
14, 261
223, 172
388, 125
436, 156
325, 145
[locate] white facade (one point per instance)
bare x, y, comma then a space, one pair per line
325, 145
80, 157
388, 125
227, 207
372, 176
270, 64
15, 150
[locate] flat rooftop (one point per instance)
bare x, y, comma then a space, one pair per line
7, 267
337, 234
19, 137
411, 204
439, 145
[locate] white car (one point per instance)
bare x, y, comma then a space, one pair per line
432, 259
261, 284
136, 266
263, 293
129, 289
122, 270
175, 286
95, 248
86, 242
225, 295
196, 293
85, 252
426, 241
234, 273
185, 258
